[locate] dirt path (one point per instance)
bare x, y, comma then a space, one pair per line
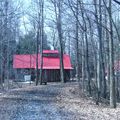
52, 102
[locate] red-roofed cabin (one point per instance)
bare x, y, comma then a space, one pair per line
51, 65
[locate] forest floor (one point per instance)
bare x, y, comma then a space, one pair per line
55, 101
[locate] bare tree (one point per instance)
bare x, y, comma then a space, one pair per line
77, 42
41, 40
39, 43
86, 48
58, 14
111, 56
111, 60
60, 34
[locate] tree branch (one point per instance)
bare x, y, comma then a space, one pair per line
117, 2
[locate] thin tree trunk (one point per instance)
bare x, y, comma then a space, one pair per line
41, 41
1, 49
83, 63
30, 68
100, 71
37, 49
59, 26
77, 44
7, 44
94, 49
111, 60
86, 49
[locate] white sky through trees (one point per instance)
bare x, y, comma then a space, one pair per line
25, 24
24, 21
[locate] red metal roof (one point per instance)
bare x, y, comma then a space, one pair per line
23, 61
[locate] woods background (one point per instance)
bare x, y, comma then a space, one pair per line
89, 31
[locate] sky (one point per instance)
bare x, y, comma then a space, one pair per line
24, 21
25, 25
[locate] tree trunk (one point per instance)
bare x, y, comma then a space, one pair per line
77, 44
111, 61
83, 63
37, 49
41, 41
59, 27
100, 67
7, 44
86, 49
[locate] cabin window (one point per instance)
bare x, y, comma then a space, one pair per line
56, 55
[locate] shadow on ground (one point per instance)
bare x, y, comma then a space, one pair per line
34, 103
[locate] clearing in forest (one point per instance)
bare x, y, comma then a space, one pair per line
52, 102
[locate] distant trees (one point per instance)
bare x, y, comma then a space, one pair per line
90, 32
85, 30
38, 20
100, 62
58, 9
8, 36
27, 43
111, 59
96, 38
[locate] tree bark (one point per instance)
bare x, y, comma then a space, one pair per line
100, 62
77, 43
59, 27
111, 61
86, 49
37, 49
41, 41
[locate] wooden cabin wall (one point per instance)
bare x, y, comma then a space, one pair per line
54, 75
47, 75
51, 75
67, 75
